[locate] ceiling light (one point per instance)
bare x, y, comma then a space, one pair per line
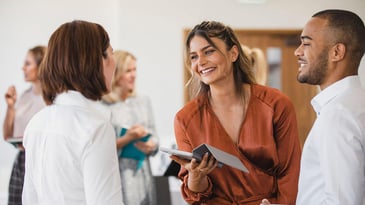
251, 1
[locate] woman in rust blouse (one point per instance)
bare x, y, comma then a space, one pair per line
231, 112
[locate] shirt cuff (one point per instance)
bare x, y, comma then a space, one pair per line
196, 196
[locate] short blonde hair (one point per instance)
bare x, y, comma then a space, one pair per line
122, 60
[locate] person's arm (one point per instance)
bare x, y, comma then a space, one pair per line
151, 127
289, 151
100, 169
151, 146
148, 148
8, 126
196, 187
342, 158
133, 133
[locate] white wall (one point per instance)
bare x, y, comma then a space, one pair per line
154, 33
152, 30
25, 23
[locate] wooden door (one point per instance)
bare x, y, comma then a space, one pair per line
284, 41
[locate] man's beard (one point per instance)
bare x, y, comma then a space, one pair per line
316, 73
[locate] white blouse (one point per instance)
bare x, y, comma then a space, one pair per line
70, 155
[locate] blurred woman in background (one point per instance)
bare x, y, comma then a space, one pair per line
18, 113
133, 118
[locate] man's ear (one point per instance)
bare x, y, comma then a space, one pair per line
234, 53
338, 52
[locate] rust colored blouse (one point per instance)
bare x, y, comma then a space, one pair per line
268, 146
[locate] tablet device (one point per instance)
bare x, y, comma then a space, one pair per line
15, 140
199, 152
179, 153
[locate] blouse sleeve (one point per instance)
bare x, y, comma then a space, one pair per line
100, 168
288, 149
151, 123
183, 144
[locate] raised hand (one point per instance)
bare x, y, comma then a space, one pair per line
10, 96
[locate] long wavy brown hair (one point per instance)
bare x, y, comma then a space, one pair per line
242, 69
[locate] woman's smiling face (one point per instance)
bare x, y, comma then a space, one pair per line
211, 64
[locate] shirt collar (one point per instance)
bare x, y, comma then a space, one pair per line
329, 93
75, 98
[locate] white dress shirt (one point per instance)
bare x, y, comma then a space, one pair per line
333, 158
70, 155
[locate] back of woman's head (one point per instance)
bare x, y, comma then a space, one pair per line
74, 61
241, 67
38, 52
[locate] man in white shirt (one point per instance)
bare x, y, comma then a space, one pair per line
333, 159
